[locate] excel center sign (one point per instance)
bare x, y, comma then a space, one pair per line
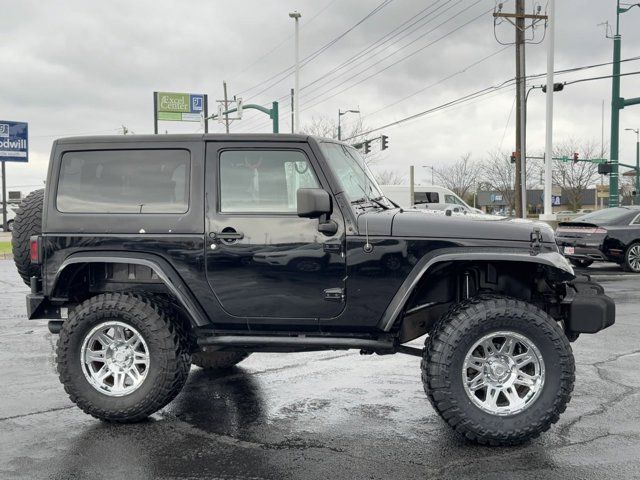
179, 107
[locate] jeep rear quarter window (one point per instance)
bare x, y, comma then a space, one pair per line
124, 181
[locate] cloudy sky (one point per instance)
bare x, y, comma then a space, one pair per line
79, 68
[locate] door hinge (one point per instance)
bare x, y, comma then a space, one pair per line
334, 294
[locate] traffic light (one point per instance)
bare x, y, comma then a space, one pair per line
367, 147
575, 157
604, 168
557, 87
513, 157
385, 142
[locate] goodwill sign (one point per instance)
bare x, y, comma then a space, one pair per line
14, 141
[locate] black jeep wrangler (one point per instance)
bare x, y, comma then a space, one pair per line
149, 253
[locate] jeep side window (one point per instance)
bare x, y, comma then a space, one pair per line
263, 180
124, 181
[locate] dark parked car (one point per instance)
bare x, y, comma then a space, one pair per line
609, 235
148, 254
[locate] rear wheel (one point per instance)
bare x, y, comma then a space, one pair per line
28, 222
217, 360
632, 258
580, 262
498, 370
121, 357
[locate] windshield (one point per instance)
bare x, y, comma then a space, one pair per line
352, 172
606, 216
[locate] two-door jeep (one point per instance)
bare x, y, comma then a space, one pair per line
150, 253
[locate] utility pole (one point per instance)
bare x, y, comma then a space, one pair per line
617, 104
296, 16
548, 137
226, 106
518, 20
520, 186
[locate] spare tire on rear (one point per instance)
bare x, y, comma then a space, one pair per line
28, 222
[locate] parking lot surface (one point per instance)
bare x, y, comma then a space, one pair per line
312, 415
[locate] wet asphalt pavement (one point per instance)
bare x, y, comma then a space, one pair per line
312, 415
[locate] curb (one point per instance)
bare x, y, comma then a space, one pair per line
6, 256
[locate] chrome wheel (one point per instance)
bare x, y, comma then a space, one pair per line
115, 358
633, 257
503, 373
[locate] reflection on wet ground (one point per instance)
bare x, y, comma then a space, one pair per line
313, 415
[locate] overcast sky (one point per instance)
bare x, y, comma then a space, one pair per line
78, 67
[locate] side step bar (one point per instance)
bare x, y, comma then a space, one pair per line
300, 341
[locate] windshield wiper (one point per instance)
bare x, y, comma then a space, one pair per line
375, 201
378, 201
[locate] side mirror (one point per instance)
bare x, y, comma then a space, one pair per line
313, 202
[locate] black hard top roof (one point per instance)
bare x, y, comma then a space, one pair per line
192, 137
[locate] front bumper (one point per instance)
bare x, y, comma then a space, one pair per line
587, 309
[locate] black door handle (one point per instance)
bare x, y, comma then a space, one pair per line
227, 234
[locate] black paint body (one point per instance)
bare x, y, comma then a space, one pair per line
283, 274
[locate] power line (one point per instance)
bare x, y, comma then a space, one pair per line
394, 63
378, 43
285, 40
538, 75
438, 82
468, 97
317, 52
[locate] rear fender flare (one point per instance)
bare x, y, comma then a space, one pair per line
165, 272
552, 260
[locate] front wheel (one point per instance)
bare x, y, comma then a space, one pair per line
498, 370
121, 357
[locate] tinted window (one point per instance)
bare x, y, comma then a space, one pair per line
607, 216
124, 181
263, 180
426, 197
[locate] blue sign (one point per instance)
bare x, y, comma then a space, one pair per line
14, 141
197, 103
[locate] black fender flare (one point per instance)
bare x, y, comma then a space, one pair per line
163, 269
553, 260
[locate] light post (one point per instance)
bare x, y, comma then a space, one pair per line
617, 104
296, 16
340, 113
637, 132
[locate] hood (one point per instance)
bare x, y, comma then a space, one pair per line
419, 223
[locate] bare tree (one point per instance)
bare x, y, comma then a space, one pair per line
389, 177
575, 178
499, 174
352, 130
460, 177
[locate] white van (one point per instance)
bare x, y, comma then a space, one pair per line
424, 195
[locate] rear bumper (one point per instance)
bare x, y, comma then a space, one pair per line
587, 308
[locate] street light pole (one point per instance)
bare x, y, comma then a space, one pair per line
296, 16
637, 195
617, 104
340, 113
